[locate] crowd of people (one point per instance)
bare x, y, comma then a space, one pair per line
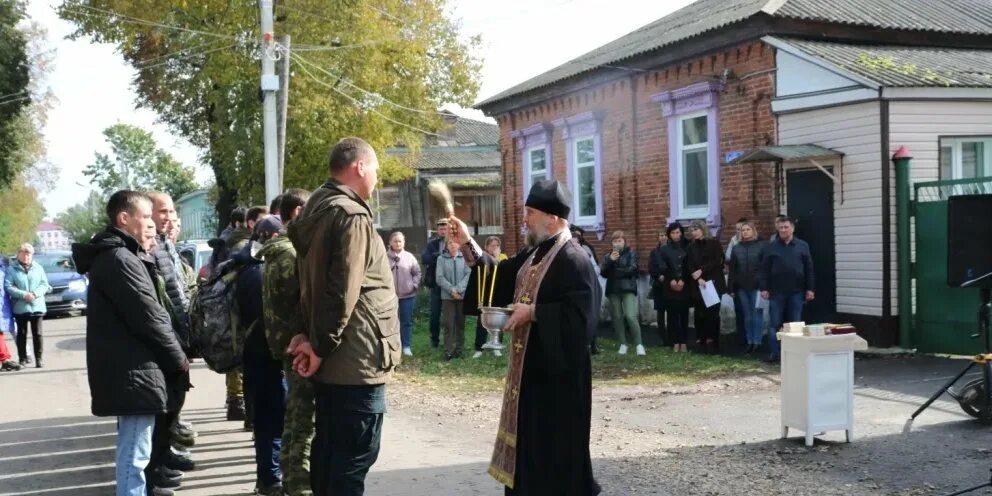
325, 311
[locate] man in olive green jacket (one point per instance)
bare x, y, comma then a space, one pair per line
349, 309
281, 312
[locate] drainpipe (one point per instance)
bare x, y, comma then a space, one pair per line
902, 159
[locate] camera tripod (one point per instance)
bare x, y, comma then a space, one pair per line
975, 397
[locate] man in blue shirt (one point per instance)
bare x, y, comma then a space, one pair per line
785, 279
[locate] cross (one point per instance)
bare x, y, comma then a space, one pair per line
514, 392
518, 346
525, 299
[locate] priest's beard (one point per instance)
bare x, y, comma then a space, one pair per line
536, 236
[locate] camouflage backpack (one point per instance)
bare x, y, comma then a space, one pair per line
215, 330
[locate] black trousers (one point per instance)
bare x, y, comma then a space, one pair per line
707, 323
22, 335
678, 321
348, 425
162, 435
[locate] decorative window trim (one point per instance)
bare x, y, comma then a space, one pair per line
700, 98
575, 128
529, 139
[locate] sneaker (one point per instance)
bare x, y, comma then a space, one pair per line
185, 424
179, 450
623, 349
10, 365
407, 351
477, 354
26, 361
269, 490
187, 441
170, 473
159, 480
183, 431
175, 461
640, 350
161, 491
497, 353
38, 363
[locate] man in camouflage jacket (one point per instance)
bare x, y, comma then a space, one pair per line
280, 306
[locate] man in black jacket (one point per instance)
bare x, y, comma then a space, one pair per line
131, 348
435, 245
167, 263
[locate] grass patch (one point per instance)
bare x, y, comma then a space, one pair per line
661, 367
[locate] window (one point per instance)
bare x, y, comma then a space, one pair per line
584, 189
693, 163
582, 134
965, 158
375, 204
538, 166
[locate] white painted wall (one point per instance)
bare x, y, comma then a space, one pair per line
796, 76
855, 131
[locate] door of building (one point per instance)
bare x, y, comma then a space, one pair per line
810, 196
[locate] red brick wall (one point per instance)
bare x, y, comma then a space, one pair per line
634, 145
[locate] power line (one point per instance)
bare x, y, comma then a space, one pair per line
181, 50
166, 62
137, 20
367, 92
13, 94
361, 105
16, 100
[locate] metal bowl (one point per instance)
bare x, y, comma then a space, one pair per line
494, 318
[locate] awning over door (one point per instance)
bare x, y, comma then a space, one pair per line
811, 154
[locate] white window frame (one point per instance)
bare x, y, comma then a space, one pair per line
574, 166
955, 144
529, 172
686, 210
375, 205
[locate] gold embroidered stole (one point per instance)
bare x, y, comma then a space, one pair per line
504, 461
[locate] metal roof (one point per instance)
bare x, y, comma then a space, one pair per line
902, 66
948, 16
451, 157
785, 153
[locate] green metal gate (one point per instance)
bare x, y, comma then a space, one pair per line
945, 317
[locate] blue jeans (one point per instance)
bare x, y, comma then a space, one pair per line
782, 308
752, 318
435, 325
134, 449
348, 425
267, 381
406, 320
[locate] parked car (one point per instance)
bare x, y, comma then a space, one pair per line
197, 255
69, 288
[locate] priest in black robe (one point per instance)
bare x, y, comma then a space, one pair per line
542, 445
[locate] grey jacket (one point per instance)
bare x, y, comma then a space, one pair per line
452, 273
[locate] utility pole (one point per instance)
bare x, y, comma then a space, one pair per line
270, 85
283, 108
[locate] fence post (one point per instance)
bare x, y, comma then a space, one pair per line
902, 159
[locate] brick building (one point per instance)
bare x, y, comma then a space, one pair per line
652, 128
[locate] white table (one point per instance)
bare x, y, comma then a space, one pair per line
818, 383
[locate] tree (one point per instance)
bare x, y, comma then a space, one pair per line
20, 214
14, 91
137, 163
84, 220
376, 69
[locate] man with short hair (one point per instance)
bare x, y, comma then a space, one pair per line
168, 266
349, 307
274, 207
235, 221
435, 246
281, 310
132, 352
785, 279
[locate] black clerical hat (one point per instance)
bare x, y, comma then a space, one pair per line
548, 196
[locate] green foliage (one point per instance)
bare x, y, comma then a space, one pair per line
20, 214
203, 79
84, 220
137, 163
14, 95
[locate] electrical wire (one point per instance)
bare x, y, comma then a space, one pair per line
360, 104
2, 97
367, 92
181, 50
28, 97
137, 20
166, 62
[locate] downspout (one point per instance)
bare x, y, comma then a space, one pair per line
903, 213
633, 153
886, 214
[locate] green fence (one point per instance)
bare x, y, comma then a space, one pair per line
945, 317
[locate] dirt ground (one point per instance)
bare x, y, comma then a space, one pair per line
715, 438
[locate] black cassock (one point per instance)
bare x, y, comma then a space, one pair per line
556, 385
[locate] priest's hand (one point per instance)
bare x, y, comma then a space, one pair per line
457, 230
521, 316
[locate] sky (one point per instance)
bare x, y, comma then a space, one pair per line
520, 39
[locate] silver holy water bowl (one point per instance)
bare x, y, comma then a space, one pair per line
494, 319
